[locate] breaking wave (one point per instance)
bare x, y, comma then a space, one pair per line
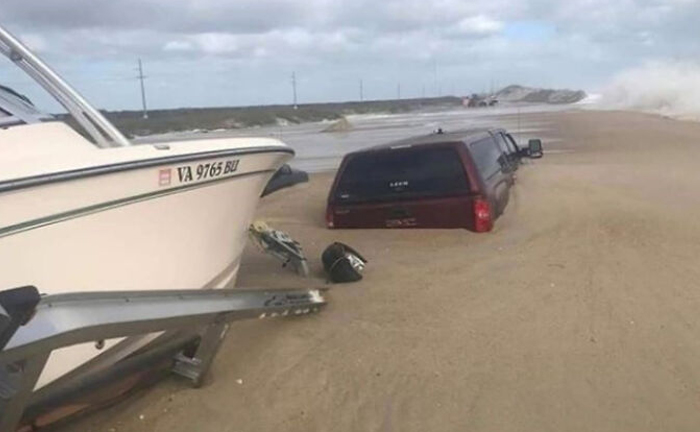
666, 88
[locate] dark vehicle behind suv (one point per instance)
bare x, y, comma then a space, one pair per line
445, 180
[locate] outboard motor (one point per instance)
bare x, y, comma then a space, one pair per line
343, 263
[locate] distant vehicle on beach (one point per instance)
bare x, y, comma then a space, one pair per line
479, 101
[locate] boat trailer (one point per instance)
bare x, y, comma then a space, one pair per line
32, 326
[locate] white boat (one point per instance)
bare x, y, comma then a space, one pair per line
90, 211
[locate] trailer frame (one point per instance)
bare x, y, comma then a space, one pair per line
67, 319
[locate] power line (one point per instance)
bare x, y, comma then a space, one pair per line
142, 77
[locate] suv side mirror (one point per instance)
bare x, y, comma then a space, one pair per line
534, 148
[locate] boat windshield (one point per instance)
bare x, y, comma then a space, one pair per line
16, 109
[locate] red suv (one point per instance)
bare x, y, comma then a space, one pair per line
460, 179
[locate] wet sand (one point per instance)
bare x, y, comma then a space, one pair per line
579, 312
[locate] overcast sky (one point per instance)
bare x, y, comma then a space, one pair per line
243, 52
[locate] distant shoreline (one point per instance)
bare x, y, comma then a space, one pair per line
164, 121
133, 124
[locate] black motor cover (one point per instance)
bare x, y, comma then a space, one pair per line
342, 263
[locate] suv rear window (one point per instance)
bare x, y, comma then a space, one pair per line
402, 174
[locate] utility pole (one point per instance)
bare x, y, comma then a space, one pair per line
143, 90
398, 91
423, 92
362, 91
294, 89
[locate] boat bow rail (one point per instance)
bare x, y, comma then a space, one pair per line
31, 327
103, 133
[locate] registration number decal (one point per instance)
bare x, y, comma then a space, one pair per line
204, 171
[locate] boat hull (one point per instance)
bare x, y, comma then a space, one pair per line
152, 225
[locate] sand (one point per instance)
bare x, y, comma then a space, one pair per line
579, 312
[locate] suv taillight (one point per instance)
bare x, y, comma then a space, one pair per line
482, 215
329, 216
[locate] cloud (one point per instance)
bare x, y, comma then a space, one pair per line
217, 43
34, 41
479, 25
184, 16
178, 46
577, 43
632, 27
